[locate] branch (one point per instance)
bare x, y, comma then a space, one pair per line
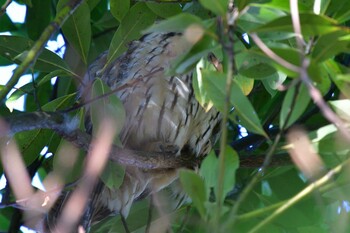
4, 7
34, 52
62, 124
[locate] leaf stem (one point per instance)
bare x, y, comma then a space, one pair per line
229, 51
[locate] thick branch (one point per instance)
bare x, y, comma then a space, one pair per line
63, 125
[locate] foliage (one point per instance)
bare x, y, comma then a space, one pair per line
277, 77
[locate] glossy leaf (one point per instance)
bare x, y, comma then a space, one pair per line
341, 80
246, 84
257, 71
177, 23
60, 103
339, 9
210, 170
77, 29
164, 10
14, 48
215, 84
219, 7
342, 108
137, 19
105, 107
113, 175
53, 74
324, 50
194, 186
38, 19
294, 105
312, 25
119, 8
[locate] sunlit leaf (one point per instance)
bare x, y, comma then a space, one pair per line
339, 76
342, 108
323, 49
246, 84
215, 84
311, 25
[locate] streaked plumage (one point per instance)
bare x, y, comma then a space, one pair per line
162, 114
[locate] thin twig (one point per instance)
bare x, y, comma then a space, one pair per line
229, 51
271, 54
301, 195
267, 161
4, 7
303, 74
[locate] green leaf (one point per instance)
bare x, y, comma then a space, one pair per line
231, 166
30, 143
257, 71
198, 85
6, 24
194, 186
164, 10
14, 48
119, 8
300, 100
192, 54
323, 49
341, 80
11, 101
219, 7
53, 74
339, 9
328, 141
38, 19
273, 82
93, 3
246, 84
289, 54
215, 84
304, 6
311, 25
177, 23
138, 18
77, 29
60, 103
106, 107
113, 175
209, 171
342, 108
